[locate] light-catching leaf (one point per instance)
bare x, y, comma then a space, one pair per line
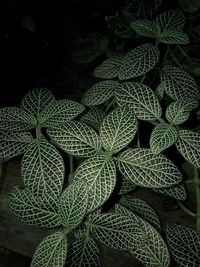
141, 99
188, 144
144, 168
73, 204
34, 211
173, 36
118, 129
100, 174
94, 117
163, 136
76, 138
139, 61
14, 144
146, 28
42, 169
51, 252
178, 191
184, 243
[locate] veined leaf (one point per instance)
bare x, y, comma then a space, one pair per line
76, 138
142, 209
36, 100
188, 144
51, 252
163, 136
126, 186
118, 129
109, 68
94, 117
59, 112
100, 174
14, 144
86, 54
42, 169
139, 61
173, 36
144, 168
144, 9
189, 6
146, 28
16, 119
159, 92
177, 191
34, 211
141, 99
99, 93
73, 204
179, 84
184, 243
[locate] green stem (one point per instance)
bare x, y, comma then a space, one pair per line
186, 210
183, 52
71, 168
175, 59
143, 78
110, 104
38, 132
197, 187
138, 136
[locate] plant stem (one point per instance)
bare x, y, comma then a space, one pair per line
38, 132
186, 210
71, 167
175, 59
138, 136
183, 52
197, 187
110, 104
166, 54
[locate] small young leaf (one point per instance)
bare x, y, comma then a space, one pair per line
93, 117
173, 36
178, 191
86, 54
51, 252
159, 92
146, 28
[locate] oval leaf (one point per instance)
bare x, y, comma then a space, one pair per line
146, 28
94, 117
178, 191
173, 36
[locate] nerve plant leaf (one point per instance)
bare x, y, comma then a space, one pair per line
141, 99
144, 168
146, 28
16, 119
173, 36
51, 252
14, 144
93, 117
163, 136
73, 204
100, 175
188, 144
126, 186
118, 129
178, 191
76, 138
100, 93
42, 169
34, 211
139, 61
184, 243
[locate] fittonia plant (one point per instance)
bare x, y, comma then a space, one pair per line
104, 134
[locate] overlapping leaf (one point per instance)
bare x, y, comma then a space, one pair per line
144, 168
159, 92
94, 117
42, 169
34, 211
146, 28
188, 144
86, 54
126, 186
173, 36
163, 136
177, 191
76, 138
100, 174
51, 252
144, 9
118, 129
184, 243
139, 61
141, 99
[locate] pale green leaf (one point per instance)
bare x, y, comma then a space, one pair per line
163, 136
42, 169
146, 28
141, 99
177, 191
34, 211
159, 92
51, 252
118, 129
144, 168
76, 138
173, 36
188, 144
100, 174
126, 186
94, 117
184, 243
139, 61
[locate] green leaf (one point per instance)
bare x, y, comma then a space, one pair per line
100, 174
109, 68
42, 169
59, 112
116, 231
139, 61
14, 144
34, 211
163, 136
36, 100
159, 92
93, 117
178, 83
51, 252
141, 99
99, 93
184, 243
188, 144
118, 129
173, 36
144, 9
16, 119
84, 252
86, 54
76, 138
190, 6
145, 169
142, 209
177, 191
126, 186
146, 28
73, 204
